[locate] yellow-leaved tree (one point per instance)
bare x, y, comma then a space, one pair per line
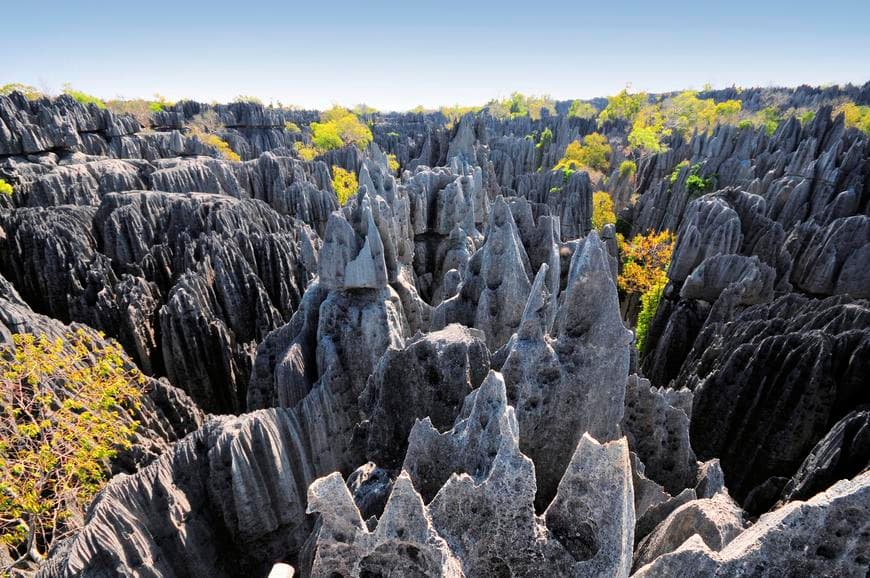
645, 261
602, 210
644, 272
593, 155
65, 408
339, 127
345, 184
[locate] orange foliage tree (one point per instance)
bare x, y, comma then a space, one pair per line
645, 261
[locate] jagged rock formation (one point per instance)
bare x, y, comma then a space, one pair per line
228, 500
495, 283
830, 529
182, 280
716, 520
574, 383
430, 377
656, 423
841, 454
811, 352
451, 341
482, 517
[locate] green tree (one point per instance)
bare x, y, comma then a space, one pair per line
649, 304
593, 154
622, 106
64, 414
580, 109
855, 116
627, 169
645, 261
338, 127
393, 163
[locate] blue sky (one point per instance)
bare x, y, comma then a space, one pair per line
395, 55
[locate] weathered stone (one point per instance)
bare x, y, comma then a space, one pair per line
430, 377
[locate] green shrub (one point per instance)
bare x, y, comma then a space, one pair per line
745, 123
222, 147
5, 188
602, 210
159, 104
770, 118
698, 185
855, 116
675, 174
65, 407
29, 92
521, 105
292, 127
83, 97
623, 106
593, 154
393, 163
627, 169
305, 152
580, 109
649, 303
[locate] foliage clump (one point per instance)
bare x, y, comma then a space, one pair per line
580, 109
698, 185
518, 105
675, 174
593, 154
305, 152
64, 414
83, 97
627, 169
339, 127
292, 127
137, 108
602, 210
248, 99
452, 114
623, 106
203, 127
855, 116
683, 113
5, 188
649, 304
393, 163
29, 92
160, 103
345, 184
645, 261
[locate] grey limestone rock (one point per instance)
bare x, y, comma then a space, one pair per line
404, 541
656, 423
429, 377
826, 535
716, 520
575, 382
495, 285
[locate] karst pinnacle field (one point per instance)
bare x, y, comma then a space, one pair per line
585, 335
